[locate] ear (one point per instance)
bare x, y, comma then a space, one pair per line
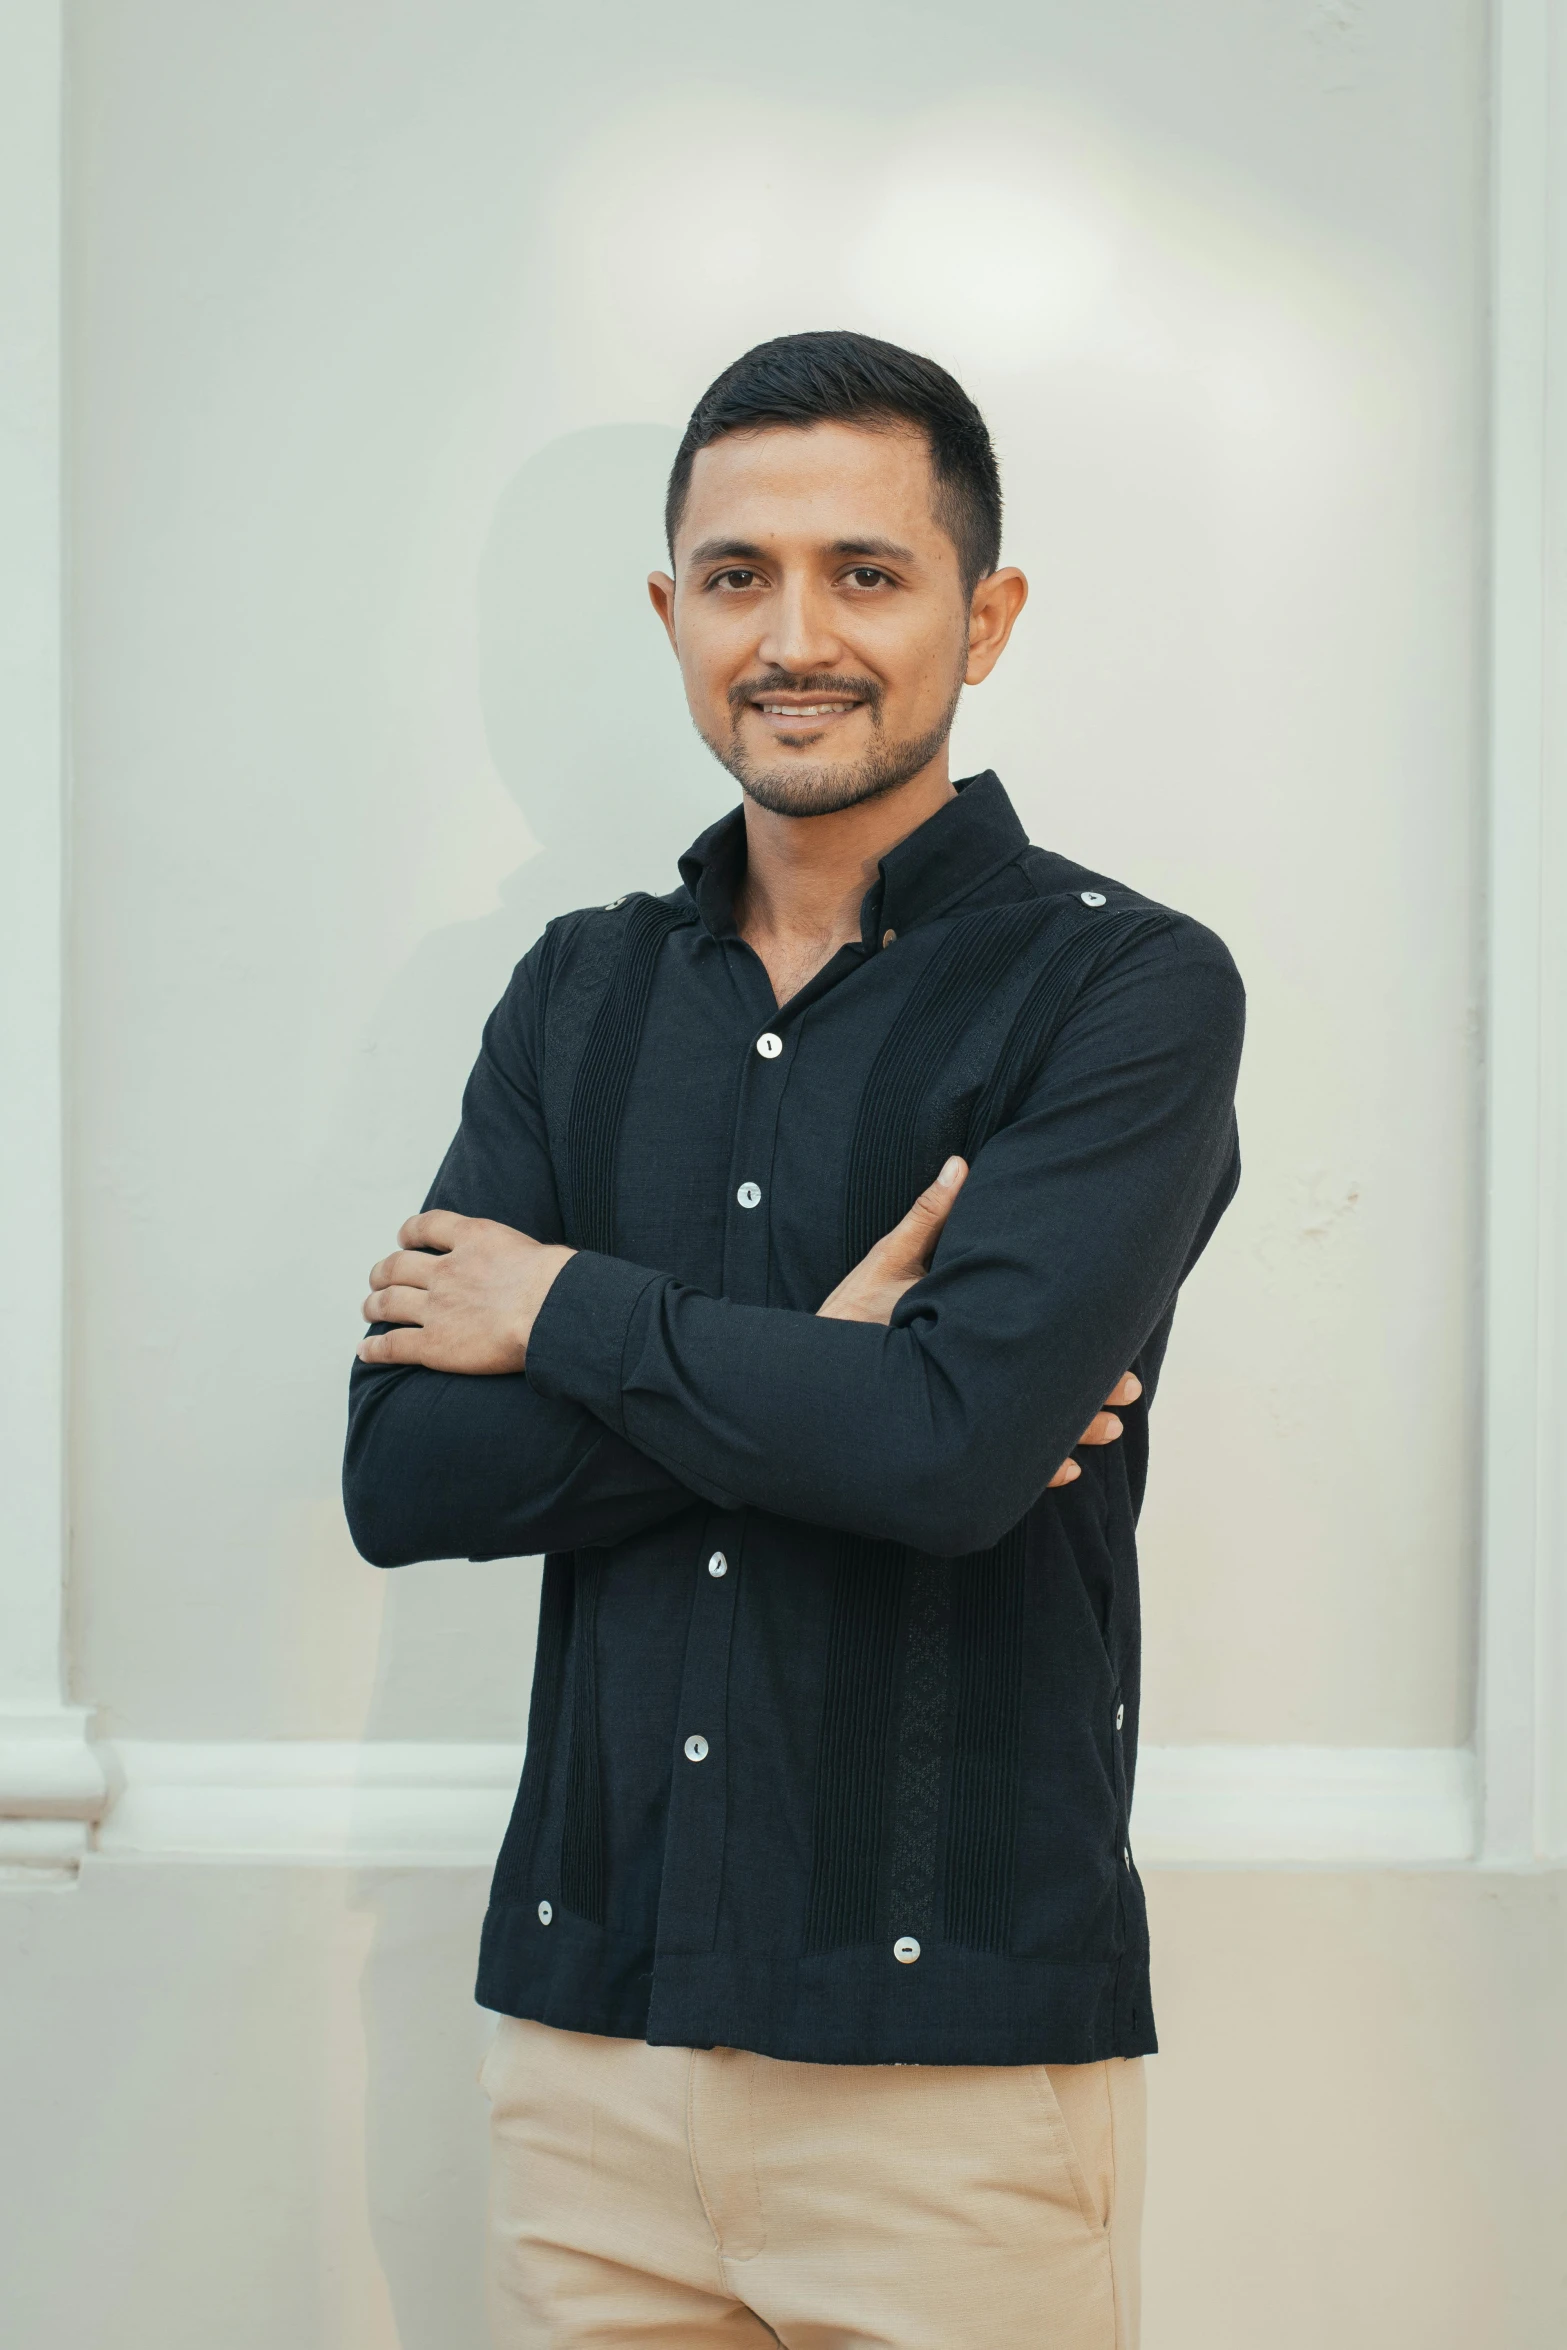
661, 595
997, 601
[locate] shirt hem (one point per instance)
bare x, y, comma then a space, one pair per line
952, 2006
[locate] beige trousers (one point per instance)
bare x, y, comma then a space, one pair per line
679, 2197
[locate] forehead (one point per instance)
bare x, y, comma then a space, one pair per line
822, 483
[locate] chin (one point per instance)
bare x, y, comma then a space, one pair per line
806, 786
799, 790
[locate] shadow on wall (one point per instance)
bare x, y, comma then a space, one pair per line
588, 731
582, 705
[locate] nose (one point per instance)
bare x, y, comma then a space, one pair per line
800, 631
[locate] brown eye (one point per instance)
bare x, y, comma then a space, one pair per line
735, 579
865, 576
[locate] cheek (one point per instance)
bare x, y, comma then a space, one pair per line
922, 667
711, 657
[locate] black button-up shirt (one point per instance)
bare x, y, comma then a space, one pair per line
834, 1713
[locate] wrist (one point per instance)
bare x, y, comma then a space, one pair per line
549, 1262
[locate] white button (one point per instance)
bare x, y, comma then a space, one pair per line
696, 1749
769, 1046
749, 1195
1126, 1854
1120, 1715
1092, 897
545, 1913
905, 1950
611, 903
718, 1564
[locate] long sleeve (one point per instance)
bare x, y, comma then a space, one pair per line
439, 1465
1061, 1258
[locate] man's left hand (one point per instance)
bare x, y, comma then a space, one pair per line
471, 1305
871, 1289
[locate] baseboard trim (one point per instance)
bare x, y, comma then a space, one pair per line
1304, 1806
384, 1803
436, 1805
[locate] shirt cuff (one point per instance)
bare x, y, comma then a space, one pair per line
578, 1346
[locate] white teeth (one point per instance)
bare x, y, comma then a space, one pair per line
808, 710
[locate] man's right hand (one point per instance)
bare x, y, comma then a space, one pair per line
902, 1257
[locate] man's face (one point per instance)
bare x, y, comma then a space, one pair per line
818, 612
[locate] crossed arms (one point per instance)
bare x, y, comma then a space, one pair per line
930, 1400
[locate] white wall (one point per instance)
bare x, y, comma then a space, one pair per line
381, 324
252, 2119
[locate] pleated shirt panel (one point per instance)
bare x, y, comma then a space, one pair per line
833, 1733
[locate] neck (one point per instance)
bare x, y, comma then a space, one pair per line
805, 876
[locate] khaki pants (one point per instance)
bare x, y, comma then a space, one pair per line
676, 2196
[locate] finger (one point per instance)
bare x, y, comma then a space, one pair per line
392, 1346
407, 1269
1065, 1475
437, 1228
1125, 1390
1103, 1428
912, 1241
396, 1305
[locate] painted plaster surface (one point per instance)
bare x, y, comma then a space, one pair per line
379, 350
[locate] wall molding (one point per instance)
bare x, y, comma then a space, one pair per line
1522, 1669
44, 1758
53, 1786
427, 1805
387, 1803
1304, 1806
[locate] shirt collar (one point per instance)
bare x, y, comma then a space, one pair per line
949, 855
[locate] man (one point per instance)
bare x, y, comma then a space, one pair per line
797, 1223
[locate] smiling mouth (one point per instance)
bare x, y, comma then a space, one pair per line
801, 707
805, 709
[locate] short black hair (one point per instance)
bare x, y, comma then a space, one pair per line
846, 378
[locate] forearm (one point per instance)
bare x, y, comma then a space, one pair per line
442, 1466
1061, 1256
928, 1433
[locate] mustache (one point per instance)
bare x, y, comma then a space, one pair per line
813, 681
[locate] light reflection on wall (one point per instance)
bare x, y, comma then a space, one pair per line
1001, 237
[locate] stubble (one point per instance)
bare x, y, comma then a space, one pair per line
797, 784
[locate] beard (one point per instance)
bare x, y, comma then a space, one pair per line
799, 785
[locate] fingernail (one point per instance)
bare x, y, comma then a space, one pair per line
1112, 1424
951, 1171
1136, 1386
1073, 1469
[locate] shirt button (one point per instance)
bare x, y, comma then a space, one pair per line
1092, 897
1120, 1715
718, 1564
887, 937
769, 1046
749, 1195
545, 1913
905, 1950
696, 1749
611, 903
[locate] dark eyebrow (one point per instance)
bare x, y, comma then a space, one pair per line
726, 551
881, 550
742, 551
